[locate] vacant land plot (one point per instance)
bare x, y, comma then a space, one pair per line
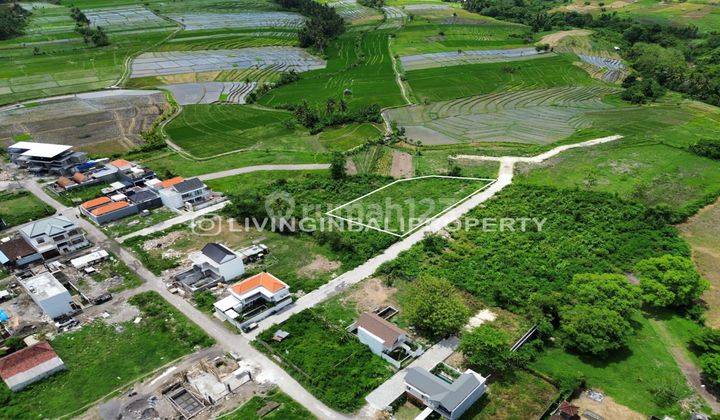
195, 21
124, 17
21, 207
457, 58
100, 358
209, 92
359, 70
520, 395
327, 360
630, 377
207, 130
273, 58
96, 121
439, 84
527, 116
404, 205
287, 408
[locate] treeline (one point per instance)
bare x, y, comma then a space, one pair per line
332, 114
322, 25
13, 20
375, 4
96, 36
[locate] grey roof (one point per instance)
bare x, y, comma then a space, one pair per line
142, 195
188, 185
448, 395
49, 226
218, 253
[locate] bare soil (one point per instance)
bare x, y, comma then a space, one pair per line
319, 265
554, 39
372, 294
608, 408
402, 165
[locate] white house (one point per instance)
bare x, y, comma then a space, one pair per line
177, 192
214, 263
51, 296
53, 236
253, 299
29, 365
450, 400
380, 335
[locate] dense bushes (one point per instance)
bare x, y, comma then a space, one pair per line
706, 343
487, 349
322, 25
334, 113
97, 35
375, 4
670, 281
434, 307
709, 148
640, 91
13, 20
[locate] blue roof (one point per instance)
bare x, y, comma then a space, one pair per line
3, 316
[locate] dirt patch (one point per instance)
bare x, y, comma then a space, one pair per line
402, 165
350, 167
608, 408
554, 39
480, 318
319, 265
372, 294
163, 241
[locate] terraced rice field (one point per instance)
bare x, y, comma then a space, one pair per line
612, 69
359, 70
209, 92
105, 120
230, 40
394, 17
439, 84
528, 116
198, 21
274, 58
351, 11
445, 59
124, 17
208, 130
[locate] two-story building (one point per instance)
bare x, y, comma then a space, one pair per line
53, 236
45, 159
178, 192
215, 263
253, 300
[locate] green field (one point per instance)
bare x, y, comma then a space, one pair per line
405, 205
99, 359
243, 183
443, 83
17, 208
629, 377
288, 408
357, 61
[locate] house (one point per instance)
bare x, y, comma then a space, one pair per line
450, 400
253, 300
17, 252
45, 159
47, 292
385, 339
213, 264
177, 192
103, 210
131, 173
53, 236
29, 365
144, 198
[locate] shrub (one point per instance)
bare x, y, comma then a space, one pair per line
709, 148
434, 307
670, 281
487, 349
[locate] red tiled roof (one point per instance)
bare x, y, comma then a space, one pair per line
569, 409
265, 280
120, 163
90, 204
107, 208
78, 177
64, 182
25, 359
172, 181
385, 330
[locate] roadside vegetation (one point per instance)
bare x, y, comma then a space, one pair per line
17, 208
288, 408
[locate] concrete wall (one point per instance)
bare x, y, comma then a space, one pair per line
232, 269
463, 407
375, 344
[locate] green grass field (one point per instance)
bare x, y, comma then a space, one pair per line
444, 83
358, 62
629, 377
17, 208
288, 408
404, 205
208, 130
99, 359
238, 184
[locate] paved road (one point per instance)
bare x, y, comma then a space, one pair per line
221, 334
185, 217
248, 169
394, 387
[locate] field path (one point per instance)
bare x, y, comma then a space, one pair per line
363, 271
403, 88
687, 367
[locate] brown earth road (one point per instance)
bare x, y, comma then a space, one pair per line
687, 367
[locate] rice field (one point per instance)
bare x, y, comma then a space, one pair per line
210, 92
124, 18
612, 69
353, 12
180, 62
444, 83
526, 116
247, 20
458, 58
208, 130
359, 70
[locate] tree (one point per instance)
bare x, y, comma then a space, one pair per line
670, 280
612, 291
709, 148
706, 340
488, 349
710, 364
594, 329
99, 37
434, 307
337, 166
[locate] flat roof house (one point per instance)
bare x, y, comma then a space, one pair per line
144, 198
44, 158
47, 292
177, 192
29, 365
213, 264
53, 236
253, 300
450, 400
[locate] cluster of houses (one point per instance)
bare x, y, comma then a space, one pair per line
42, 240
